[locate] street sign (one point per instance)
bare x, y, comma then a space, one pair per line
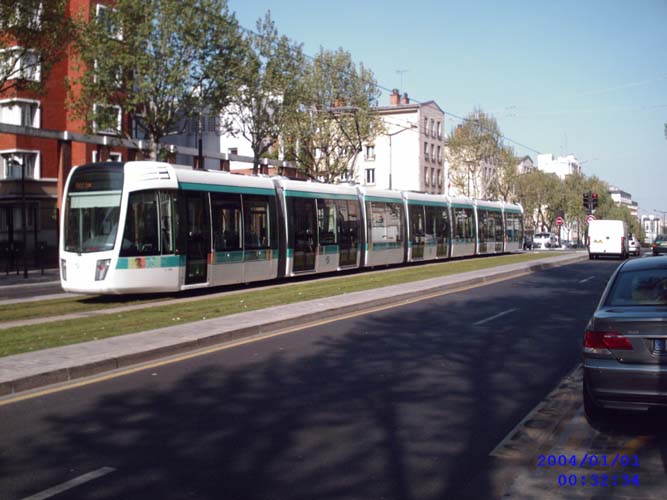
559, 221
589, 218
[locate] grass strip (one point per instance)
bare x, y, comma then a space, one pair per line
58, 333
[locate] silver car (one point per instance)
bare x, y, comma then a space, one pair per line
625, 344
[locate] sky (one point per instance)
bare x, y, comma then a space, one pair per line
582, 77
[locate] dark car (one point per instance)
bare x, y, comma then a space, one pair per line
625, 344
660, 244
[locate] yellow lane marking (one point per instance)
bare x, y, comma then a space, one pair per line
64, 386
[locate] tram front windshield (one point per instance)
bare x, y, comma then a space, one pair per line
92, 209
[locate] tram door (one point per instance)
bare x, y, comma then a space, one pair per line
198, 244
417, 231
347, 221
304, 232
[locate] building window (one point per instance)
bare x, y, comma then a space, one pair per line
22, 112
17, 63
370, 176
113, 156
426, 176
109, 116
370, 153
15, 162
426, 127
139, 130
433, 153
102, 13
439, 154
432, 128
439, 178
432, 176
439, 127
426, 151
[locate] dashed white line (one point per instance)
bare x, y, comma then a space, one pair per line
486, 320
72, 483
586, 279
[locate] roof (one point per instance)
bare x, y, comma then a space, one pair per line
645, 263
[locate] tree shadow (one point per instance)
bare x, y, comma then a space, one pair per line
402, 404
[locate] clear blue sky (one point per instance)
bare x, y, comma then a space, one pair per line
587, 77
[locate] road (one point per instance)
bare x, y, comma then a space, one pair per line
403, 403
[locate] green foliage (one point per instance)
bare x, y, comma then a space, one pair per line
268, 88
159, 62
334, 116
472, 146
38, 33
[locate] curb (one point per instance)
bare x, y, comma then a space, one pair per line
93, 358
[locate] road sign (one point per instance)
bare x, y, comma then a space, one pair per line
589, 218
559, 221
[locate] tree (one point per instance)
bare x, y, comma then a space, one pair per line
537, 191
33, 37
503, 184
160, 61
472, 150
335, 116
268, 88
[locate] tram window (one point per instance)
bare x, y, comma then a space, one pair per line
394, 217
326, 222
417, 222
258, 222
430, 226
463, 223
376, 221
142, 226
167, 223
226, 212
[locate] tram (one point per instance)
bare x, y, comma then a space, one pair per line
146, 227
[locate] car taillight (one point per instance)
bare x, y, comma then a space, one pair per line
606, 340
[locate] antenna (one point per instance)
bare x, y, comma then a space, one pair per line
401, 72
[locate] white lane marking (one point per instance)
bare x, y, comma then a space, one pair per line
72, 483
587, 279
486, 320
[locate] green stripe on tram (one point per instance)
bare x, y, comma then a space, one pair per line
428, 203
325, 196
216, 188
150, 262
381, 199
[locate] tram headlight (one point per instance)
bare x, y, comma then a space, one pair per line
101, 269
63, 269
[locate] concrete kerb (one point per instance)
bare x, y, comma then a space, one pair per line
30, 371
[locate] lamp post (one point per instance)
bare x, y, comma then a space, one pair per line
411, 127
23, 220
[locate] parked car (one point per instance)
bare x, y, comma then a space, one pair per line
633, 244
625, 343
527, 242
660, 244
544, 240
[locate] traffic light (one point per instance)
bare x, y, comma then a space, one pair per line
587, 200
594, 201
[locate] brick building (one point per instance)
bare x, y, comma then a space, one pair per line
36, 153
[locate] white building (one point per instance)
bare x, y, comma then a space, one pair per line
561, 166
623, 199
410, 154
653, 225
526, 165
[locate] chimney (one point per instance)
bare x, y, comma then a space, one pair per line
405, 99
394, 98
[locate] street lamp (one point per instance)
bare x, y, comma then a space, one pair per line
411, 127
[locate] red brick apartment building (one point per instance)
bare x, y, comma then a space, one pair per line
34, 162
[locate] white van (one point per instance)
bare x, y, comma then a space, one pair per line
608, 237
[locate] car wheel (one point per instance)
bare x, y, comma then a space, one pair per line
596, 416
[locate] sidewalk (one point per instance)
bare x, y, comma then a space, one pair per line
50, 366
34, 276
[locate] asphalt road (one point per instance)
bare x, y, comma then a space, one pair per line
404, 403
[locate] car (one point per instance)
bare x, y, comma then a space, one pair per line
625, 343
544, 240
660, 244
527, 242
633, 244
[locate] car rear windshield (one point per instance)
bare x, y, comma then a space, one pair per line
639, 288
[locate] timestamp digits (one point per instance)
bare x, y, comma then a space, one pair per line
600, 480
